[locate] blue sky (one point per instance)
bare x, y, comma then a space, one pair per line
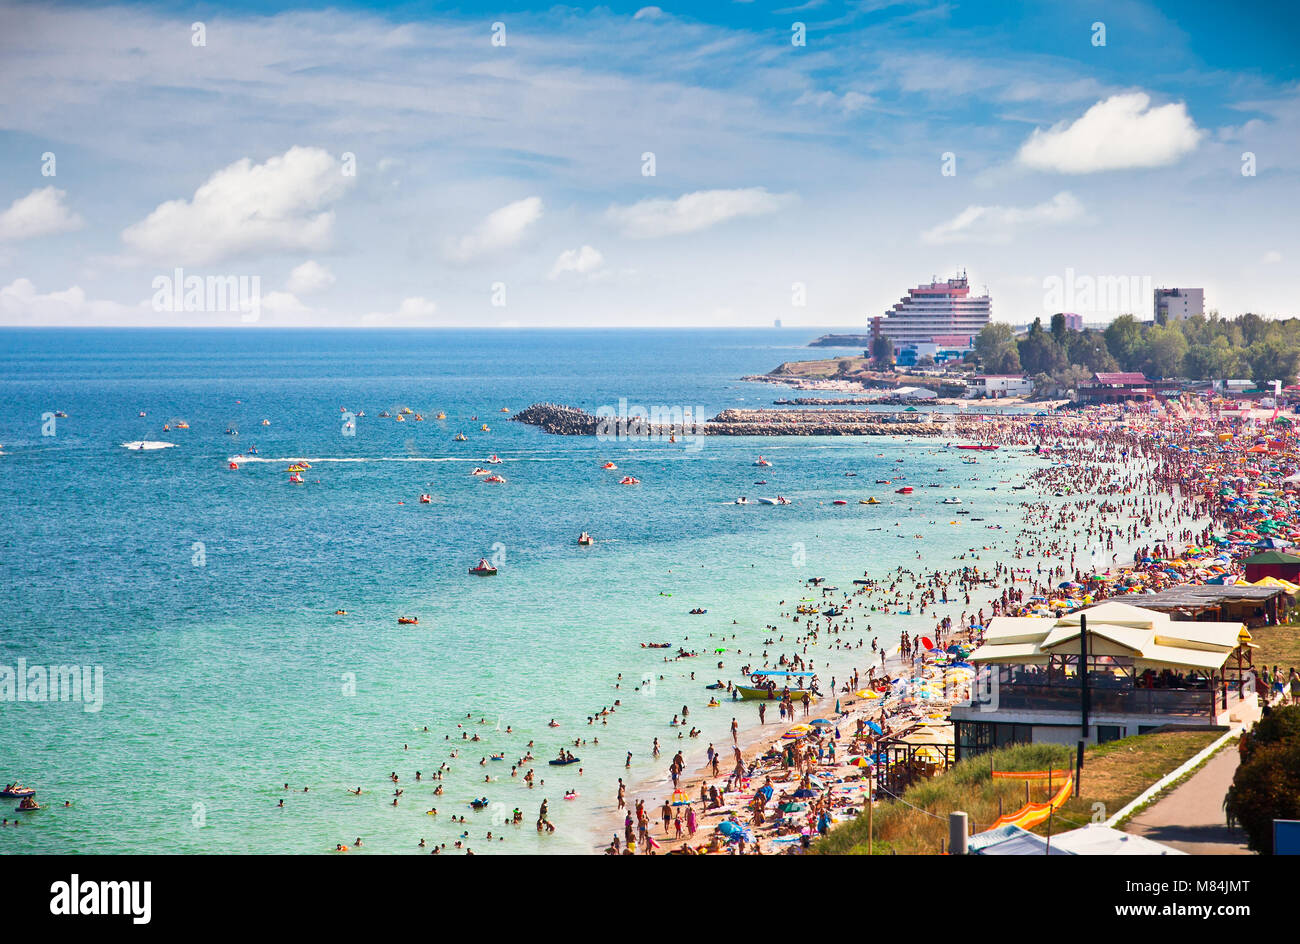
502, 185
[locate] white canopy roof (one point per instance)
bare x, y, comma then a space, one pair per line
1153, 639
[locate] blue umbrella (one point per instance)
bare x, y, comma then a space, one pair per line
875, 727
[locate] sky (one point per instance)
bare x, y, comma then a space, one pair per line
702, 165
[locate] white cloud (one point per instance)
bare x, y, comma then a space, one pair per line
500, 230
1271, 257
648, 13
1119, 132
283, 303
309, 277
848, 103
20, 303
247, 208
412, 310
998, 223
579, 261
40, 213
693, 211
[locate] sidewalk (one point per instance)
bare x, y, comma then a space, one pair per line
1191, 818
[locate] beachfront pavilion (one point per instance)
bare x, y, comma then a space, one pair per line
1143, 670
1254, 606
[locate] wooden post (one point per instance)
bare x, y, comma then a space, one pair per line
871, 809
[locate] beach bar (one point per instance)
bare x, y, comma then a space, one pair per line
1142, 670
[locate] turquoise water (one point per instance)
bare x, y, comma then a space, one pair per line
225, 672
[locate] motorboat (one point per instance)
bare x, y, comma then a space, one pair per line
742, 500
493, 459
951, 501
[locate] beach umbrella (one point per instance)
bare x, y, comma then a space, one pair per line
804, 793
792, 807
824, 721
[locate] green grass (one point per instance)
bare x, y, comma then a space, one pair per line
1113, 775
1277, 645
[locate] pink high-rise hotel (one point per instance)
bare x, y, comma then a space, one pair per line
945, 314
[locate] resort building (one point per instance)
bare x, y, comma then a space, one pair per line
1141, 670
1178, 304
994, 386
941, 313
1115, 388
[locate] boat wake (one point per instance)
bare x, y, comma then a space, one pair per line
146, 445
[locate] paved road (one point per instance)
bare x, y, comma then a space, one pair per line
1191, 818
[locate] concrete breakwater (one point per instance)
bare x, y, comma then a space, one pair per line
570, 421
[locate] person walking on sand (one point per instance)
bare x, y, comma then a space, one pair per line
690, 821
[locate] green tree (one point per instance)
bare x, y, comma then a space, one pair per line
1125, 343
1039, 352
882, 350
1166, 350
1266, 787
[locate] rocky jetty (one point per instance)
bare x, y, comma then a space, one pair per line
561, 420
570, 421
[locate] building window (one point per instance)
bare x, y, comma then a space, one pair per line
1109, 732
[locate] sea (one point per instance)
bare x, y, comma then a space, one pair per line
203, 597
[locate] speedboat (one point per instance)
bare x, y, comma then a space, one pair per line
767, 501
742, 500
951, 501
483, 569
